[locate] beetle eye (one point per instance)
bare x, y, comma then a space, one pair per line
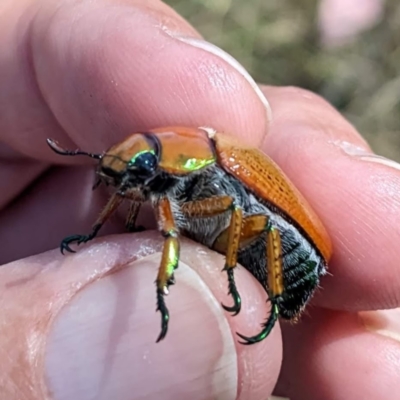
144, 164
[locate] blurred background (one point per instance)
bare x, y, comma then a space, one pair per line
346, 50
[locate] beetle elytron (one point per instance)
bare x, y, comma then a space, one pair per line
233, 199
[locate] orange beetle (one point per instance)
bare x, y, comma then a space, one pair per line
229, 197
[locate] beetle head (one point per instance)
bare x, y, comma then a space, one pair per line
133, 174
130, 164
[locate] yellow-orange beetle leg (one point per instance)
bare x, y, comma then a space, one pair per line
169, 260
252, 227
274, 265
115, 200
234, 230
211, 207
275, 284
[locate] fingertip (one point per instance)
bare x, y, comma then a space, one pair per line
352, 191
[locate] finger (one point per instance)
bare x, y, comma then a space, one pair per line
113, 71
338, 359
84, 326
355, 193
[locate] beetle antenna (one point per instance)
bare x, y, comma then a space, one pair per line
64, 152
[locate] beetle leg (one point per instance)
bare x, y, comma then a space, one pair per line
169, 260
133, 212
234, 230
211, 207
252, 227
110, 207
275, 284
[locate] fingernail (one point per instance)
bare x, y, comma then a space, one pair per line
384, 322
217, 51
102, 344
365, 155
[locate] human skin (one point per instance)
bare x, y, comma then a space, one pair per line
83, 326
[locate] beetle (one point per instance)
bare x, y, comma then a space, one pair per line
229, 197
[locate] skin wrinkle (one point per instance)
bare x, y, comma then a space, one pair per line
388, 192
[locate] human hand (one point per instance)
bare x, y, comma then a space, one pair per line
88, 74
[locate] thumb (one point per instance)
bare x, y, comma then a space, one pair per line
83, 326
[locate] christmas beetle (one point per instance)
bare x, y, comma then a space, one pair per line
234, 199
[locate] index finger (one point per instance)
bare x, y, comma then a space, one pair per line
92, 74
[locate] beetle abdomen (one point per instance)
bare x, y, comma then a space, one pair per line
302, 264
302, 268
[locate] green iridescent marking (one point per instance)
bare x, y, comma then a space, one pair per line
173, 259
193, 164
133, 159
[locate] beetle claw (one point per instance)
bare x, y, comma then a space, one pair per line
267, 327
256, 338
71, 239
250, 340
164, 315
235, 309
65, 247
237, 301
